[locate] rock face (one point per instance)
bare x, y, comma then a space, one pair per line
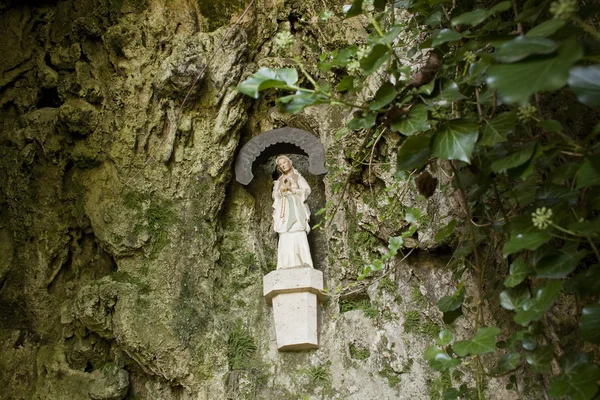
132, 262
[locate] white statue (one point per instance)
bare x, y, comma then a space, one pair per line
291, 216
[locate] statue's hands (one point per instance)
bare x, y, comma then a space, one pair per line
285, 187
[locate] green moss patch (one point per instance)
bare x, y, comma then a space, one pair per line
415, 323
359, 304
358, 352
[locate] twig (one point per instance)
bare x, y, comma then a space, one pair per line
479, 110
516, 11
371, 161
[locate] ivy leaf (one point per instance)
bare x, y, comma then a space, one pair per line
389, 37
578, 378
528, 340
585, 82
444, 338
355, 9
586, 283
587, 175
483, 342
412, 214
589, 324
546, 29
445, 231
346, 84
345, 55
394, 243
376, 57
477, 71
540, 358
384, 96
479, 15
451, 316
517, 82
508, 362
570, 362
515, 158
267, 78
434, 19
525, 241
415, 121
414, 152
445, 36
447, 94
299, 101
578, 385
440, 360
522, 47
551, 125
557, 265
456, 140
519, 270
587, 228
362, 123
472, 18
496, 130
500, 7
450, 394
379, 5
533, 309
514, 299
451, 303
523, 235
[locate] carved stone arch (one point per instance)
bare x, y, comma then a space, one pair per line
277, 141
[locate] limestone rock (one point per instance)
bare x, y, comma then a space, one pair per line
79, 116
109, 384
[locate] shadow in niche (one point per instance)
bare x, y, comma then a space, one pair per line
261, 189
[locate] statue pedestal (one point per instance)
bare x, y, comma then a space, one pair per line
294, 294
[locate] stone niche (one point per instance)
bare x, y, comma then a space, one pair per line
294, 293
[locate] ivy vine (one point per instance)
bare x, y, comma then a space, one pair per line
465, 82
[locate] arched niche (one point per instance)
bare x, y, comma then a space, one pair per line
280, 141
255, 169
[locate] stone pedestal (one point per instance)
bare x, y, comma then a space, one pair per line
295, 294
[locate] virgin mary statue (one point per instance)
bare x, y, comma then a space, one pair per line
291, 215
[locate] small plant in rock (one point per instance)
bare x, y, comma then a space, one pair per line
318, 374
241, 347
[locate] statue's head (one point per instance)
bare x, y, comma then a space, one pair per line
284, 164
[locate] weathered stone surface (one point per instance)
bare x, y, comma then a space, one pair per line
129, 244
80, 116
109, 384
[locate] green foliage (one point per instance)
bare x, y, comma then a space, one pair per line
359, 353
483, 342
158, 216
451, 303
416, 296
415, 323
319, 374
528, 181
241, 347
364, 305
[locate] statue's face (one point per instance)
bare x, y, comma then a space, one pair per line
284, 165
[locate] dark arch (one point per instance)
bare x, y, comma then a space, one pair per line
283, 140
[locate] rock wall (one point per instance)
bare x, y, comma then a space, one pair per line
132, 262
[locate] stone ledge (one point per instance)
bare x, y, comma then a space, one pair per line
293, 280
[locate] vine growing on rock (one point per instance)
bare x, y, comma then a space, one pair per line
502, 95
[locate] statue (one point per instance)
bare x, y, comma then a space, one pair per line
295, 288
291, 216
